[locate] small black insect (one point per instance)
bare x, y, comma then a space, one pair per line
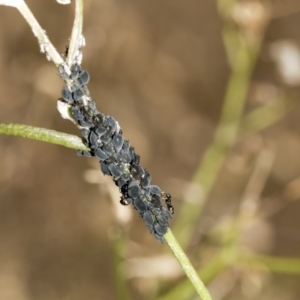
124, 197
168, 199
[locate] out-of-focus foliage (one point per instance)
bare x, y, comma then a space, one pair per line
199, 87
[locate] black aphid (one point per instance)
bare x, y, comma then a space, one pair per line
75, 70
118, 159
106, 138
139, 204
115, 170
84, 77
111, 124
155, 200
77, 95
100, 130
155, 190
118, 141
136, 171
76, 113
86, 123
159, 229
98, 119
67, 95
104, 168
108, 149
159, 238
62, 73
148, 219
145, 180
85, 133
100, 154
133, 190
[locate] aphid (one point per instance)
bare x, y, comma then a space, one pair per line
100, 154
155, 190
100, 130
159, 238
136, 172
136, 159
105, 138
118, 141
76, 113
159, 229
67, 95
148, 219
131, 152
85, 133
115, 170
133, 190
78, 94
139, 204
98, 119
94, 139
155, 200
125, 144
168, 199
111, 124
86, 123
84, 77
161, 219
108, 149
121, 181
166, 213
75, 70
62, 73
83, 152
104, 168
145, 179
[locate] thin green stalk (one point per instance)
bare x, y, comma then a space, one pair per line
272, 263
44, 135
184, 290
187, 266
267, 115
225, 137
121, 287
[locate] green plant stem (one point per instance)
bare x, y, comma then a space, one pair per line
184, 290
267, 115
42, 134
225, 137
118, 245
272, 263
187, 266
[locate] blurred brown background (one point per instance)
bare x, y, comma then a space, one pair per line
160, 68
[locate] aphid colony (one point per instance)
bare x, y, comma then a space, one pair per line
103, 135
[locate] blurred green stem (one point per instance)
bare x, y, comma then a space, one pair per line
121, 290
272, 263
225, 137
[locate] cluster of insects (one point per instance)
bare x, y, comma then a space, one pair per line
117, 158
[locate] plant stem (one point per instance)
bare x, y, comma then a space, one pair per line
42, 134
187, 266
76, 37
